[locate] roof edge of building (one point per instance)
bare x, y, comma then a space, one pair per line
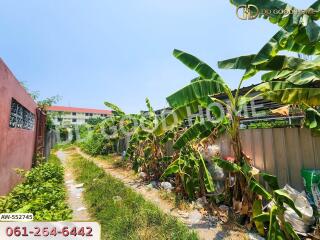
78, 109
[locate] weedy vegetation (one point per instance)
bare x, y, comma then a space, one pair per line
122, 213
42, 193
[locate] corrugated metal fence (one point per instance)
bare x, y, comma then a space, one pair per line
279, 151
50, 142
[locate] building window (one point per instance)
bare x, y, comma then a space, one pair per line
91, 114
87, 114
74, 114
74, 120
20, 117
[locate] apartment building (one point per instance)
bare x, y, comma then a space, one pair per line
75, 116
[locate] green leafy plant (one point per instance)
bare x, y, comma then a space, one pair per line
289, 80
278, 200
103, 139
270, 124
202, 91
64, 134
278, 227
41, 193
146, 151
192, 173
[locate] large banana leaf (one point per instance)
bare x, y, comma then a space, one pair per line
259, 189
274, 228
176, 117
271, 180
278, 63
115, 109
283, 40
179, 114
276, 75
296, 21
316, 7
195, 91
152, 114
173, 168
208, 182
282, 197
266, 59
256, 212
299, 32
272, 47
304, 77
312, 120
203, 69
289, 229
226, 165
263, 217
304, 73
287, 93
202, 129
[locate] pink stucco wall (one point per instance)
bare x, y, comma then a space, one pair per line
16, 145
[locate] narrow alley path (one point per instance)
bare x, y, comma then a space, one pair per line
207, 229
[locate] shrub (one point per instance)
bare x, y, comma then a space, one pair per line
64, 134
97, 144
42, 193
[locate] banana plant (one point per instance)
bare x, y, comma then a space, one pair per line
202, 91
289, 80
278, 200
191, 171
278, 227
105, 136
146, 151
299, 31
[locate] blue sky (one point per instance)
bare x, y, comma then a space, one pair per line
121, 51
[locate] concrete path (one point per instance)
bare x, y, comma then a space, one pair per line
75, 198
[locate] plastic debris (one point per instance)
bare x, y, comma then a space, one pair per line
143, 175
166, 186
200, 203
301, 225
81, 209
80, 185
254, 236
194, 217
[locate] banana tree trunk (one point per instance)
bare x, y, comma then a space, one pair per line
235, 139
239, 191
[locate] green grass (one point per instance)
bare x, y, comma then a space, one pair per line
122, 213
54, 159
113, 159
63, 146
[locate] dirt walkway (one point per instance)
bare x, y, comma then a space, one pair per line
75, 198
207, 229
